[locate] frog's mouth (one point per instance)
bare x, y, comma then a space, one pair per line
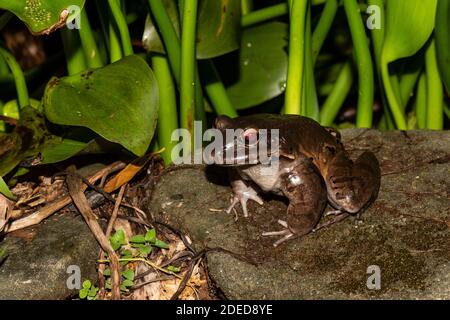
232, 155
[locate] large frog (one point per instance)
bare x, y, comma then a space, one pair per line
312, 167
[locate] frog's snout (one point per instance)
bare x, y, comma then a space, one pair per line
350, 203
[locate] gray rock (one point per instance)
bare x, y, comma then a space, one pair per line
406, 232
39, 257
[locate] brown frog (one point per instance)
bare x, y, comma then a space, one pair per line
312, 167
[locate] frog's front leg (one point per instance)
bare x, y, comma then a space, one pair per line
242, 192
306, 191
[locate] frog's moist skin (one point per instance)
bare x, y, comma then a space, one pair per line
308, 153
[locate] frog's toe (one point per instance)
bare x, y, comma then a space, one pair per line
286, 234
283, 223
333, 213
242, 198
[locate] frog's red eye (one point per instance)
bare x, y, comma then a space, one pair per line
251, 136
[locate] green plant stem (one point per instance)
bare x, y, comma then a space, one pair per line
168, 118
435, 91
246, 6
296, 62
4, 69
263, 15
19, 78
395, 106
90, 49
378, 34
377, 43
187, 84
447, 108
173, 49
336, 98
146, 261
217, 93
366, 90
309, 98
5, 18
421, 102
122, 26
323, 27
168, 34
408, 82
75, 58
115, 50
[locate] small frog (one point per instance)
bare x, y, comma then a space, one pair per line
312, 168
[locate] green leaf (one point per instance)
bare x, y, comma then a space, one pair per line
123, 288
161, 244
126, 254
262, 65
151, 39
138, 239
107, 272
61, 150
118, 239
4, 189
41, 16
144, 251
127, 283
150, 236
218, 28
404, 37
173, 269
93, 292
25, 141
219, 25
409, 24
128, 274
119, 102
83, 293
87, 284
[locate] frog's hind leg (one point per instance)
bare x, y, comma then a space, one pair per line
298, 225
306, 191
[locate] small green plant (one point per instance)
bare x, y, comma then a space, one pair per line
144, 243
88, 291
141, 247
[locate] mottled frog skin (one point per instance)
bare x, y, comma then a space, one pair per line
313, 168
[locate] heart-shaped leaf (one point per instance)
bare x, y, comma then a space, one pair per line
263, 65
42, 16
119, 102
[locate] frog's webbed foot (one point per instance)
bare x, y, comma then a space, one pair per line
286, 234
242, 194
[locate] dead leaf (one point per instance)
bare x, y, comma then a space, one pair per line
129, 172
6, 208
